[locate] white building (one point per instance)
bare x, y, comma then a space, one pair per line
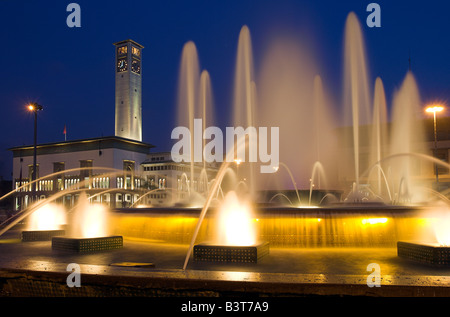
117, 170
170, 181
108, 167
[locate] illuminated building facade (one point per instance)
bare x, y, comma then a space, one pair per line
170, 181
128, 122
107, 168
118, 170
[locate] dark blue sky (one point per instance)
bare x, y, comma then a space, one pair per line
70, 71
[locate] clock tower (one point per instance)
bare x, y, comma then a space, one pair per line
128, 90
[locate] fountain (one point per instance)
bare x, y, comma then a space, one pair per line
379, 131
361, 170
194, 101
407, 136
236, 235
45, 223
88, 230
432, 248
315, 157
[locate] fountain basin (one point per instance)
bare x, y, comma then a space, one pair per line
427, 253
230, 254
87, 244
41, 235
332, 226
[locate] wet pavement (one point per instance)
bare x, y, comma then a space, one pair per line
337, 267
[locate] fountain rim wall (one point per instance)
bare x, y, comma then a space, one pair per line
335, 210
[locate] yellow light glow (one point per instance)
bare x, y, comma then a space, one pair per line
89, 220
373, 221
441, 231
94, 222
238, 161
440, 224
287, 230
237, 276
434, 108
142, 206
47, 217
30, 107
235, 225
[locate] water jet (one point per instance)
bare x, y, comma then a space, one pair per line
87, 230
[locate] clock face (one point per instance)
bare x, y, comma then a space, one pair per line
136, 66
122, 65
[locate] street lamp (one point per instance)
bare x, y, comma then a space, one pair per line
434, 109
34, 107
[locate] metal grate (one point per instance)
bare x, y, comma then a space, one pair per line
87, 244
435, 255
230, 254
41, 235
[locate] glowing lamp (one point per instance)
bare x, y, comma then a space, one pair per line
34, 107
434, 108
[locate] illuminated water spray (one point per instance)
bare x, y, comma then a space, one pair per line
88, 220
236, 224
48, 217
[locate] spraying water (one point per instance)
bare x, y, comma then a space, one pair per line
235, 222
407, 135
88, 220
379, 128
48, 217
356, 88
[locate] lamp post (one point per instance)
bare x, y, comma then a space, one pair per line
433, 109
34, 107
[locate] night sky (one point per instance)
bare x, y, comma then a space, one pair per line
70, 71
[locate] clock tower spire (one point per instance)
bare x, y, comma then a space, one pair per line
128, 122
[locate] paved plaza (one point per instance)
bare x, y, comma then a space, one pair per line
152, 268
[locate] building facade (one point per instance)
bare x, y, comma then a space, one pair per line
170, 181
128, 118
107, 168
119, 170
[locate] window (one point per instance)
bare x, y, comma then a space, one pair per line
119, 182
30, 171
136, 51
162, 183
122, 50
58, 167
86, 170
